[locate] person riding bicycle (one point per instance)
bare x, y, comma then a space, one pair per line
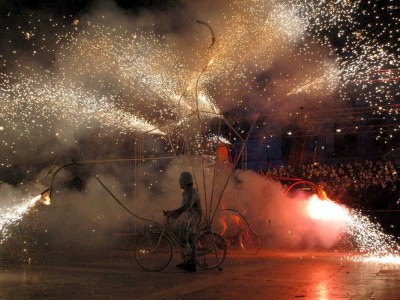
192, 207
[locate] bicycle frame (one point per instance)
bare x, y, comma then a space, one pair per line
154, 250
248, 240
167, 232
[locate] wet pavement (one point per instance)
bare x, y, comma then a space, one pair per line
268, 275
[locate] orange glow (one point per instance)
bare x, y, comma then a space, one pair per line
231, 221
223, 152
236, 219
323, 193
322, 290
222, 220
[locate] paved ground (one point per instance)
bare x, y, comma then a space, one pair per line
269, 275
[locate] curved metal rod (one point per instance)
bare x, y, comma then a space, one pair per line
211, 31
102, 185
122, 205
214, 175
58, 170
197, 107
320, 193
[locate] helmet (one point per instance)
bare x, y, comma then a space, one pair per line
186, 178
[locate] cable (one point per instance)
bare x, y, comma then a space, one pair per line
104, 186
122, 205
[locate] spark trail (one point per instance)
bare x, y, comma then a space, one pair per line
373, 244
135, 80
12, 215
29, 98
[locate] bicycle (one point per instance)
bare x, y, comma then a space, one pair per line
249, 241
154, 250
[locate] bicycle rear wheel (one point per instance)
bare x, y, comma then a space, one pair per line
153, 252
210, 250
250, 242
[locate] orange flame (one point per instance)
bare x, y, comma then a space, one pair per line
224, 225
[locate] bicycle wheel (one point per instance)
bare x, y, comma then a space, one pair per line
153, 252
250, 242
210, 250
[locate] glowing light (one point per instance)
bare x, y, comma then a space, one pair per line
215, 138
45, 197
326, 210
388, 259
375, 246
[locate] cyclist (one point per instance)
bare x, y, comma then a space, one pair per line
192, 207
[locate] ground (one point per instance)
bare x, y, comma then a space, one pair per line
271, 274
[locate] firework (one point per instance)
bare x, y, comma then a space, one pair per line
12, 215
134, 80
125, 79
375, 245
370, 240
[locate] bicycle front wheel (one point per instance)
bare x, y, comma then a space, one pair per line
250, 242
210, 250
153, 252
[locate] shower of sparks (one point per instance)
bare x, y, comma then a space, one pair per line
322, 85
375, 245
59, 78
143, 65
12, 215
370, 240
129, 79
219, 139
31, 99
389, 259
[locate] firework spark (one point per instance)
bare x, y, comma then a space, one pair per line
12, 215
375, 245
370, 240
134, 80
31, 98
130, 79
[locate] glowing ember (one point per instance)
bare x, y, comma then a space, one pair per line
12, 215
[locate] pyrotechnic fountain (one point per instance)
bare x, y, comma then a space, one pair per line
11, 215
369, 238
134, 81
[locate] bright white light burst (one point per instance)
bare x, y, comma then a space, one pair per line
12, 215
371, 241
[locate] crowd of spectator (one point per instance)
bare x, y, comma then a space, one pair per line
368, 185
